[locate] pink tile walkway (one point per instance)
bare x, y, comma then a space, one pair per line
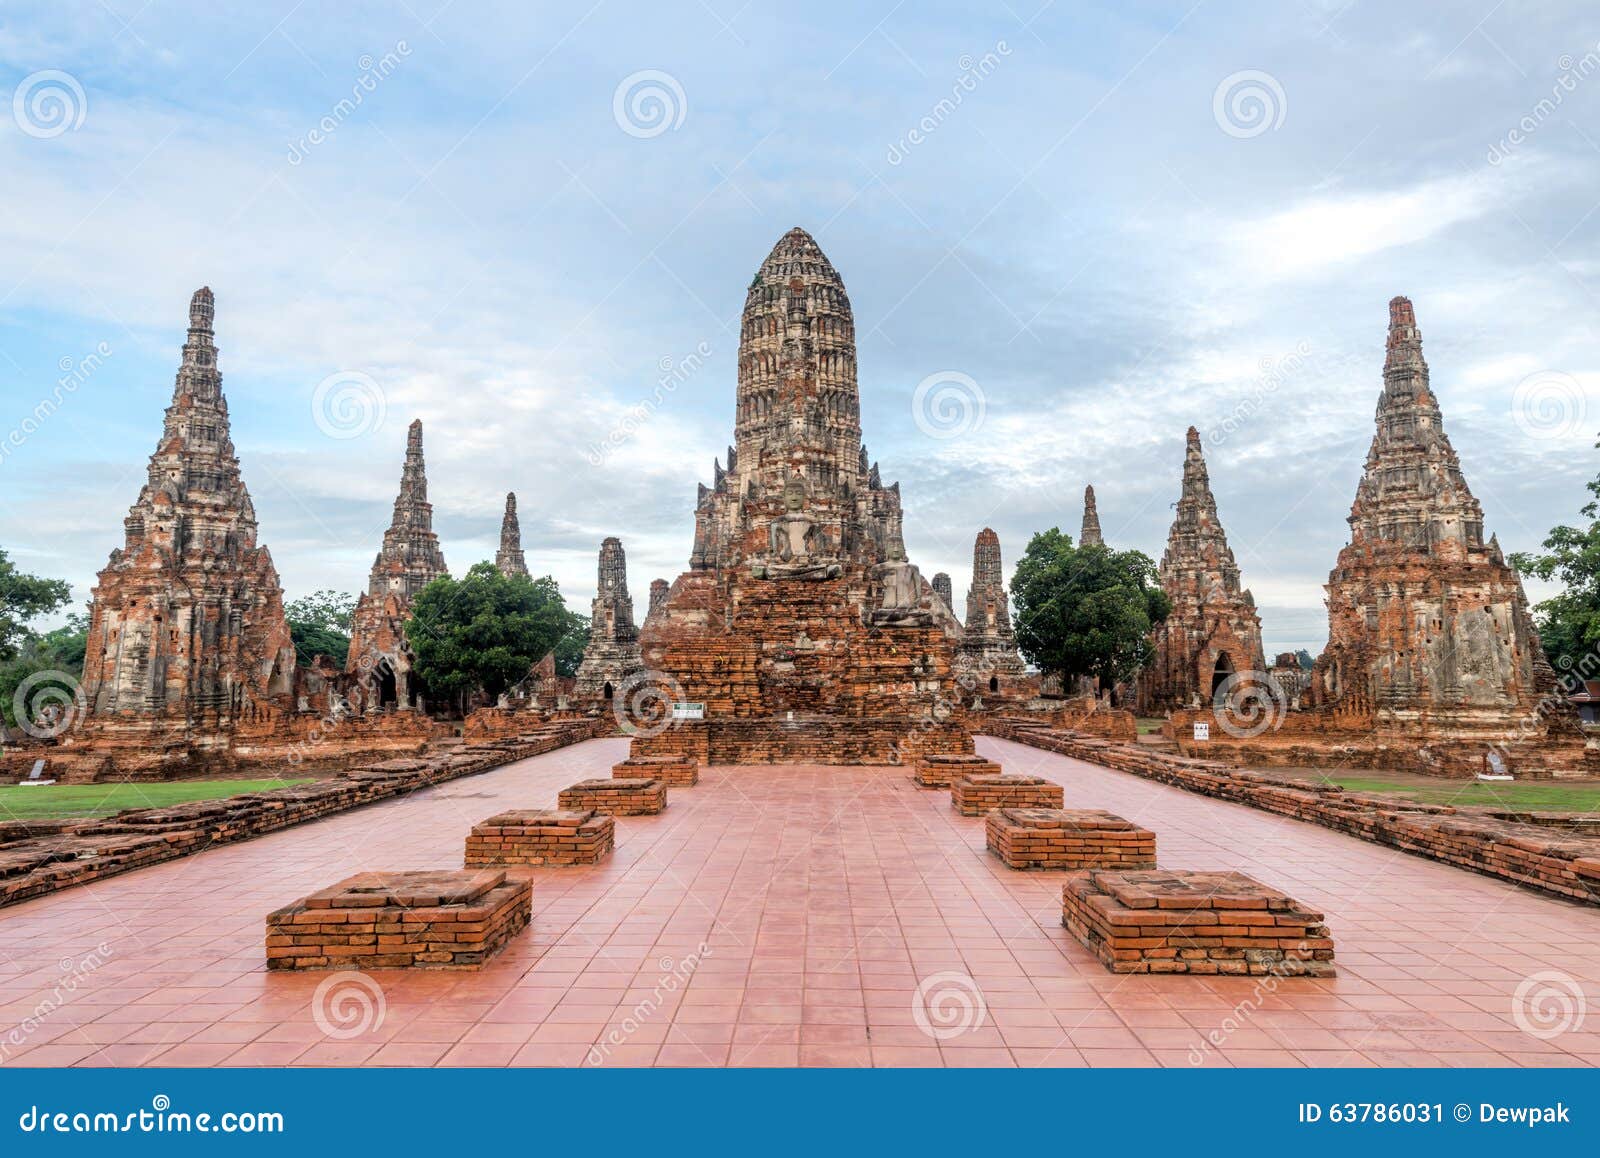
824, 897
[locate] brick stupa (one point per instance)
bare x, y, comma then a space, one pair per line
408, 561
509, 559
612, 653
1429, 634
801, 627
187, 635
1213, 631
988, 649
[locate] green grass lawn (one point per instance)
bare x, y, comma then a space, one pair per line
1523, 796
1149, 725
57, 801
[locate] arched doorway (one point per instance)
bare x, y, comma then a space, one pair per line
387, 694
1220, 674
609, 691
994, 683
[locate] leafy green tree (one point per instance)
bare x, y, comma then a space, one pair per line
1569, 623
483, 632
60, 653
569, 648
1086, 611
25, 597
319, 624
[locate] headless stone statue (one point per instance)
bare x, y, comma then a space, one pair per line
794, 541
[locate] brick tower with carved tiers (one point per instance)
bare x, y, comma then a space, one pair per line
187, 635
408, 561
611, 656
988, 649
1429, 633
509, 559
800, 626
1213, 632
1089, 535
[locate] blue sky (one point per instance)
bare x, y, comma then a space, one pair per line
1088, 226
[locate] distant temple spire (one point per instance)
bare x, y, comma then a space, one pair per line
1090, 535
509, 558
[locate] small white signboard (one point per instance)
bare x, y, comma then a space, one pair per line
1202, 729
688, 711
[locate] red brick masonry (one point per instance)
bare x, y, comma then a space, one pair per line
1194, 922
541, 836
38, 857
975, 795
633, 797
398, 920
943, 769
1075, 838
1551, 851
673, 771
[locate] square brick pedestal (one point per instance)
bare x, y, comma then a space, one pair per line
673, 771
399, 920
631, 797
545, 836
1074, 838
975, 795
942, 770
1194, 922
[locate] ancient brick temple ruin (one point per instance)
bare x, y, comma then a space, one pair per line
988, 649
407, 562
1213, 634
943, 589
801, 628
1089, 535
1429, 635
509, 558
658, 595
612, 653
187, 634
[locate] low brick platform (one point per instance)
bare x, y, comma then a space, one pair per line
545, 836
1194, 922
943, 769
673, 771
1074, 838
975, 795
636, 796
399, 920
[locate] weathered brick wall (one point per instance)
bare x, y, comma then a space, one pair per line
37, 858
1550, 851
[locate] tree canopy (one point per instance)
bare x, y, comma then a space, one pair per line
319, 624
484, 631
23, 598
1569, 623
1086, 611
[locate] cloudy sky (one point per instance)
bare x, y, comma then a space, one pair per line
1091, 228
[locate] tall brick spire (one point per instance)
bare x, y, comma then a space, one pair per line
187, 616
943, 589
1090, 535
509, 558
1214, 630
988, 638
612, 653
410, 558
